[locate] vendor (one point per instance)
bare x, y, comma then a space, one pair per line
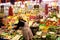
35, 24
37, 21
27, 33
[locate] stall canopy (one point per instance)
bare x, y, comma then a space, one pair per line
4, 1
12, 1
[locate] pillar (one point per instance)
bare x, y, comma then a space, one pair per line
46, 9
10, 11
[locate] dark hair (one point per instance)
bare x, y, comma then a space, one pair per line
21, 23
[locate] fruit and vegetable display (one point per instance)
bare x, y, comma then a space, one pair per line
47, 25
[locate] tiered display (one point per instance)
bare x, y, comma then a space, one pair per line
47, 24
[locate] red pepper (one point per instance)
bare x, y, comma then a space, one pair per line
32, 17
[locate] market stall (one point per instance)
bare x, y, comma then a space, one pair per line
44, 20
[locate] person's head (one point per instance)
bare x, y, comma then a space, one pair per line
38, 17
21, 23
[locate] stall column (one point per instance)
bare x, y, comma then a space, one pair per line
46, 9
10, 11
